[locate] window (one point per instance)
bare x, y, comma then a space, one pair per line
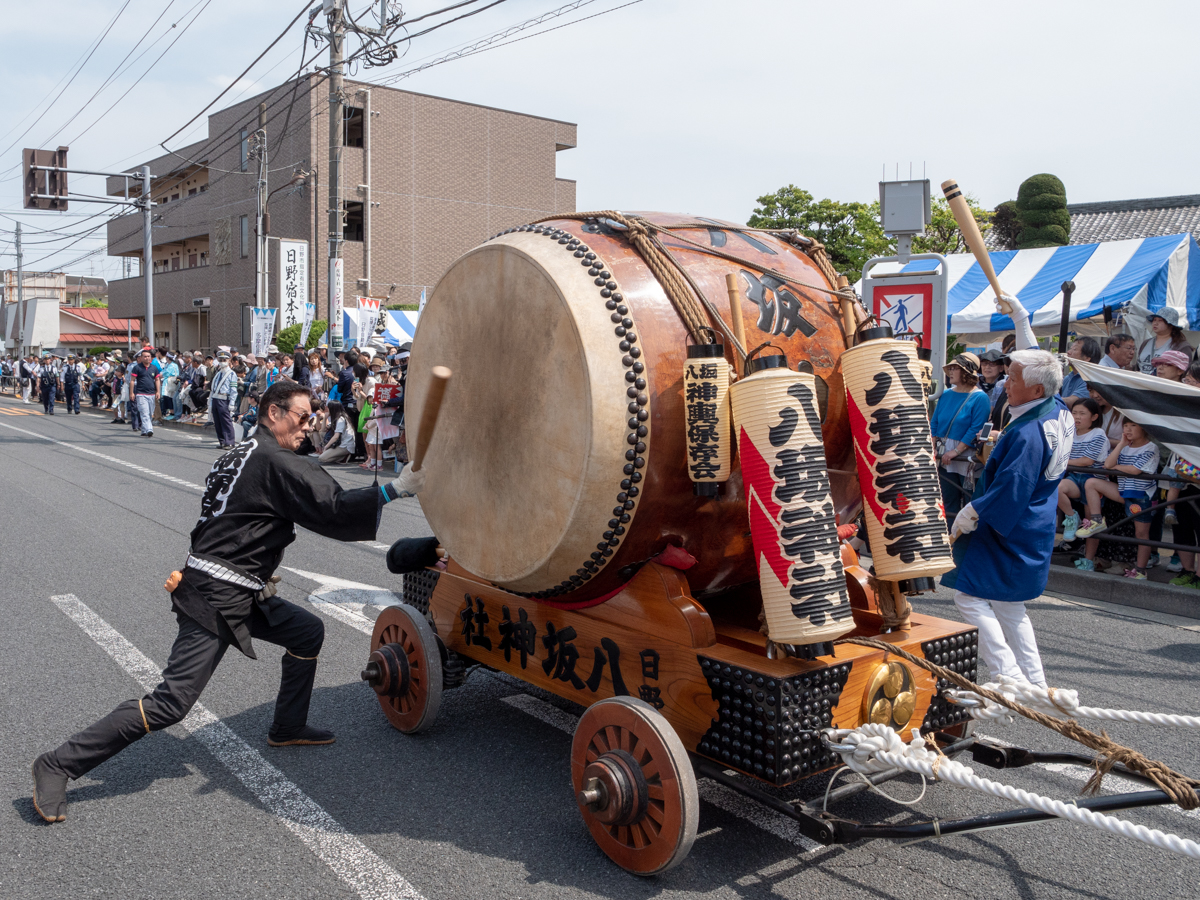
245, 236
174, 263
244, 152
203, 188
192, 260
191, 192
174, 197
353, 229
352, 126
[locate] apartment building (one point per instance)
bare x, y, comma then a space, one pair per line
424, 179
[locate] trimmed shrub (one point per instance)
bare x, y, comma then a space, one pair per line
286, 339
1042, 212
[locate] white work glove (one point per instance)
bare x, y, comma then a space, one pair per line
964, 523
409, 483
269, 589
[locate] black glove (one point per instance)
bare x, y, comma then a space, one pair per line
412, 555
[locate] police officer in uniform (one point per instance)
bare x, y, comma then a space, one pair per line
47, 379
254, 497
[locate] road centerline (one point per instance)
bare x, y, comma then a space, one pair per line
359, 867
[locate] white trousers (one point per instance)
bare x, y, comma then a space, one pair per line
1006, 638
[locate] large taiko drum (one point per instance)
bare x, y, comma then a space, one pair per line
559, 461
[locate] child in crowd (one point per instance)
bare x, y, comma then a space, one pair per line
1090, 448
1134, 455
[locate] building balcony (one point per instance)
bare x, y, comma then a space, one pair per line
174, 292
178, 220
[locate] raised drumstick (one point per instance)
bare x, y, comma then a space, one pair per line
735, 307
970, 230
429, 415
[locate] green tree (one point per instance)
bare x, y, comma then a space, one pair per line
1042, 212
850, 231
1006, 225
93, 303
942, 234
287, 338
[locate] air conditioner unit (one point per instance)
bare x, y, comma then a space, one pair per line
201, 303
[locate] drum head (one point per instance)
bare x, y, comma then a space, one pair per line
526, 459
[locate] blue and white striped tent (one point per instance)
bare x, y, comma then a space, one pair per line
399, 325
1153, 272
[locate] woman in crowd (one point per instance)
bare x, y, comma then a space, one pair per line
370, 426
316, 374
1089, 449
1167, 335
339, 437
1171, 365
959, 415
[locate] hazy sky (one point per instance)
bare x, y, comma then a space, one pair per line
682, 105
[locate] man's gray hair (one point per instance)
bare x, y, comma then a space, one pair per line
1038, 367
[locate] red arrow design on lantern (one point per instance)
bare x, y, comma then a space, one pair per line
862, 450
764, 511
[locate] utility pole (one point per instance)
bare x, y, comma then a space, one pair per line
337, 112
20, 329
262, 263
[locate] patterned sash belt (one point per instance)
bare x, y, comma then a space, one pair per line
223, 573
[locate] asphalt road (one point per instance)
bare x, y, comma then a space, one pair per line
480, 806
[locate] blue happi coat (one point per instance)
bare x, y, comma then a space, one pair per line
1008, 554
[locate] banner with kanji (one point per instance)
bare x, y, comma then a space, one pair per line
293, 281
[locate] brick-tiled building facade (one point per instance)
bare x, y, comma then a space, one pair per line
444, 176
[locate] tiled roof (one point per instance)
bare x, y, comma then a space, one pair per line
1119, 220
99, 317
109, 338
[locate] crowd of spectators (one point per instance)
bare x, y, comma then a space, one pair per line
146, 386
975, 403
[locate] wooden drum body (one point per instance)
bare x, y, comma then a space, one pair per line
558, 466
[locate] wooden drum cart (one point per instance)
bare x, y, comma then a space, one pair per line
647, 613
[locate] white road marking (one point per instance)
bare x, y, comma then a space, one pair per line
718, 795
346, 601
364, 871
107, 458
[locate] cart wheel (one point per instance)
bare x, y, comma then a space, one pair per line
634, 785
405, 669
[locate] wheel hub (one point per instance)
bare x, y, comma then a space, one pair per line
387, 671
614, 789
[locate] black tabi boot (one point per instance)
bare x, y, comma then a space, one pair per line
49, 790
290, 727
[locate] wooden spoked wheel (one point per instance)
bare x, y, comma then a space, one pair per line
634, 785
405, 669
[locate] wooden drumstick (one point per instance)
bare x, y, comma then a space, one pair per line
735, 308
970, 230
429, 415
847, 310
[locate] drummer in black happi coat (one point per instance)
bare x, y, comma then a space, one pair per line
254, 497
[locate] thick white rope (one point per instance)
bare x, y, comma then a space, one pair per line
875, 748
1055, 702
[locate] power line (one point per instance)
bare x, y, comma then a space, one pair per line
68, 84
270, 46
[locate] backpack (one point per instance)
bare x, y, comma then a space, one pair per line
70, 376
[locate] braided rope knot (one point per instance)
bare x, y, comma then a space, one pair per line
872, 744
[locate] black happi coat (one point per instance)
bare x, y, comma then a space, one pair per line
254, 497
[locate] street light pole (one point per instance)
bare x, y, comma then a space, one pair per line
20, 294
337, 38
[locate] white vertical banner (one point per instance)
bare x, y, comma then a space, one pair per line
293, 281
368, 316
310, 313
262, 329
421, 307
337, 300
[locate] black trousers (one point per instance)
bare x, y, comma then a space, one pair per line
223, 422
194, 658
48, 399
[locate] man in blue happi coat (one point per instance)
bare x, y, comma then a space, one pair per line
1007, 530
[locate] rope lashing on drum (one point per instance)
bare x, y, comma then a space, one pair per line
1180, 788
1056, 701
661, 265
874, 748
811, 248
